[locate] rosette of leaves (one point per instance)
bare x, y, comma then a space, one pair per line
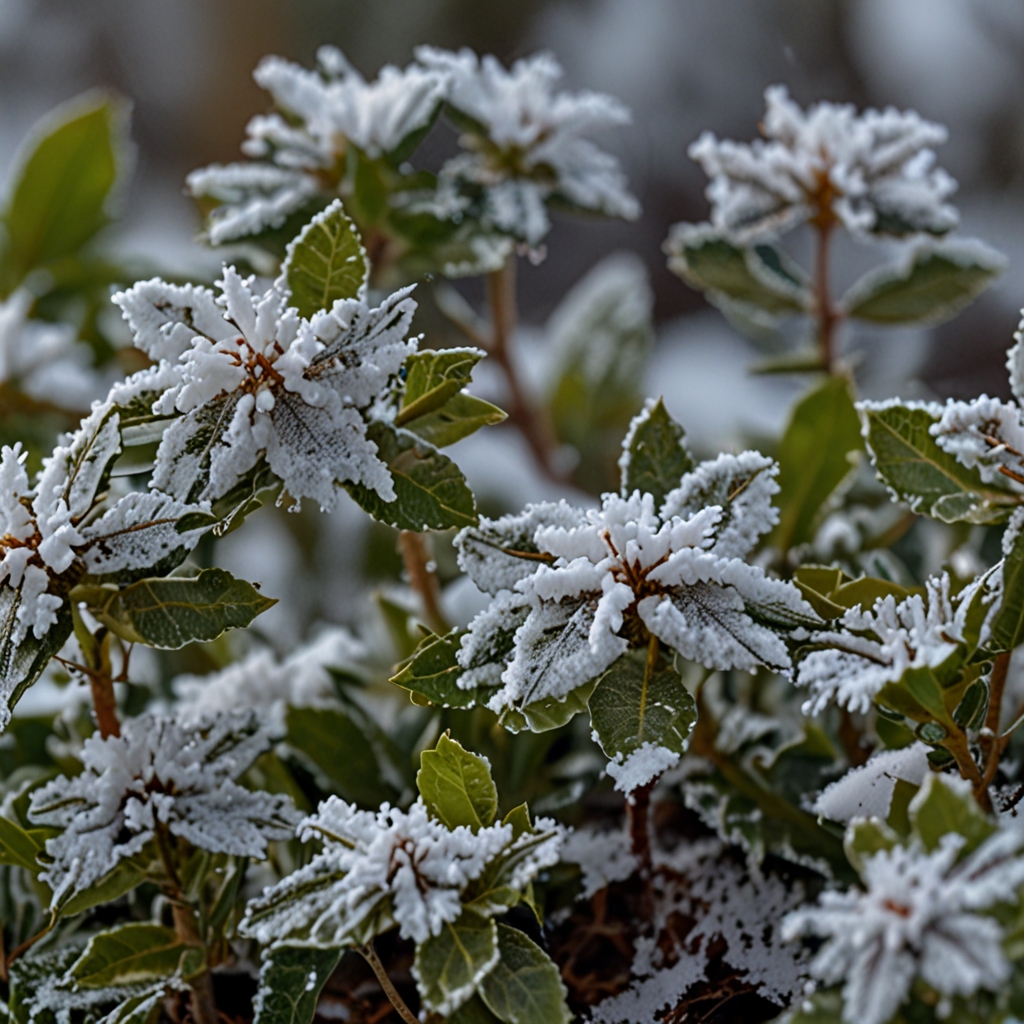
587, 605
70, 541
305, 386
933, 921
336, 135
870, 174
443, 874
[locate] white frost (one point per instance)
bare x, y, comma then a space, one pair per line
647, 762
866, 792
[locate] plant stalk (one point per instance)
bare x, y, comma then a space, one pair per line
531, 421
422, 579
101, 684
825, 311
370, 956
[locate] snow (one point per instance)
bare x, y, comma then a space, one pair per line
878, 166
159, 774
604, 857
866, 792
877, 646
647, 762
379, 868
917, 918
986, 434
252, 377
530, 145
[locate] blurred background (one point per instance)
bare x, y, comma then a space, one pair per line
681, 65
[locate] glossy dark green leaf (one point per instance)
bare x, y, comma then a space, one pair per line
525, 987
326, 262
433, 672
19, 847
431, 492
814, 459
291, 979
175, 610
654, 456
130, 954
450, 965
456, 786
936, 281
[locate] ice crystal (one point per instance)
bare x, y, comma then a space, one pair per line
321, 113
873, 172
917, 918
575, 585
252, 378
158, 775
647, 762
268, 685
384, 868
875, 647
526, 142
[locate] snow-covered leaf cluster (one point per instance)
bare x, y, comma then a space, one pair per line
157, 780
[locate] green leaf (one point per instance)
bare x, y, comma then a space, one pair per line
525, 987
177, 610
463, 414
637, 702
22, 663
814, 459
432, 672
1007, 625
473, 1012
128, 955
60, 190
430, 491
19, 847
449, 967
758, 276
140, 1009
864, 838
942, 807
341, 750
326, 262
125, 877
830, 592
291, 978
654, 454
434, 377
933, 284
456, 786
917, 471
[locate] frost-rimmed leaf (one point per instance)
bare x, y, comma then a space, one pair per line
641, 707
450, 966
433, 671
814, 459
430, 491
456, 786
525, 987
22, 661
291, 978
654, 454
918, 472
129, 954
709, 260
434, 377
930, 285
326, 262
1003, 628
173, 611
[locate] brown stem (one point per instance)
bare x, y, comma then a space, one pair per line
825, 311
531, 421
992, 744
101, 683
370, 956
850, 737
956, 744
422, 579
202, 1000
30, 942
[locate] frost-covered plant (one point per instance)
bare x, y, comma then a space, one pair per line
926, 910
439, 872
871, 174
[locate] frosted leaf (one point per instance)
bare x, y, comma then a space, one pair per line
875, 170
529, 146
986, 434
603, 857
591, 578
255, 379
488, 552
158, 774
44, 359
139, 534
323, 111
743, 486
866, 792
486, 646
267, 685
876, 647
378, 869
647, 762
1015, 362
917, 918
